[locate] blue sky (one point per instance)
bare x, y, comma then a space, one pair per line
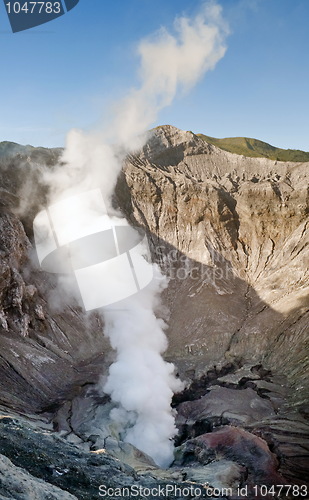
66, 73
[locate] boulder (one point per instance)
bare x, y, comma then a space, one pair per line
236, 445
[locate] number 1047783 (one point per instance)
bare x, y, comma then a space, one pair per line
281, 490
33, 7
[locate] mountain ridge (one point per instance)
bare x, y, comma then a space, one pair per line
254, 148
229, 232
243, 146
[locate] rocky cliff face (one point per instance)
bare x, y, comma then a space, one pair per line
230, 232
46, 351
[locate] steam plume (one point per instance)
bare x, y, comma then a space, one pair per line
140, 381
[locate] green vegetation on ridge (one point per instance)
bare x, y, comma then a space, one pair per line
255, 148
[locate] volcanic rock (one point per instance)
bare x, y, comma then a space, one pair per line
230, 232
237, 445
15, 481
244, 406
235, 251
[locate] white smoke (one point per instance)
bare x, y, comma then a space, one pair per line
140, 381
170, 63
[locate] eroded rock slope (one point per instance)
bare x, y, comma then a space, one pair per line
231, 234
